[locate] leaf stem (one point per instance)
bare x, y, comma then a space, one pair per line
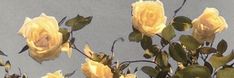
163, 39
159, 36
113, 45
177, 10
77, 49
61, 21
74, 47
137, 61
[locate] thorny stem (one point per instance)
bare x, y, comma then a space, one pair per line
113, 45
177, 10
159, 36
136, 61
164, 39
74, 47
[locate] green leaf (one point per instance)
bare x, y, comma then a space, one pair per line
102, 58
225, 73
162, 59
217, 60
148, 54
163, 74
178, 53
135, 37
78, 22
206, 50
189, 42
123, 66
70, 74
65, 33
182, 19
23, 49
222, 46
168, 33
193, 71
150, 71
182, 23
136, 69
146, 42
154, 49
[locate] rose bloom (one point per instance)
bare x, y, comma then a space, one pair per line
43, 38
128, 76
93, 69
56, 74
208, 24
148, 17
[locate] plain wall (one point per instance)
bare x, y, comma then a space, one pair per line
111, 20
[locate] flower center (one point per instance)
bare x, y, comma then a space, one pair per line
43, 42
151, 15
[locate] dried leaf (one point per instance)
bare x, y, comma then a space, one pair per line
61, 22
217, 60
69, 74
23, 49
222, 46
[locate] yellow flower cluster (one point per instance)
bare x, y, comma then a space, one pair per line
148, 17
208, 24
45, 42
43, 38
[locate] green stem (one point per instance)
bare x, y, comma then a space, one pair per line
113, 45
74, 47
61, 21
163, 39
177, 10
137, 61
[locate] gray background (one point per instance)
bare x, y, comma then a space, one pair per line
111, 20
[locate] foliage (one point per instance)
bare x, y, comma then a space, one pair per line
184, 49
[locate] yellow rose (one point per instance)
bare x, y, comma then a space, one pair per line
93, 69
208, 24
43, 38
148, 17
128, 76
56, 74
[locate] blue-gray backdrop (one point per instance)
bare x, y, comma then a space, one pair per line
111, 19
